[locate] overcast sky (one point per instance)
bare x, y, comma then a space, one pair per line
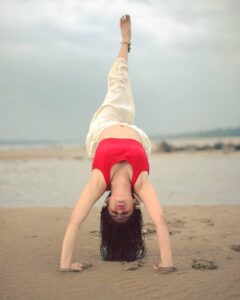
184, 64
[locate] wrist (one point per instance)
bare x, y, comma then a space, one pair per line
65, 266
165, 265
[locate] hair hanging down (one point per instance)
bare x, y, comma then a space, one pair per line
122, 241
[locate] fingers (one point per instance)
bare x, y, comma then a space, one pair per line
164, 270
156, 267
86, 265
70, 270
76, 267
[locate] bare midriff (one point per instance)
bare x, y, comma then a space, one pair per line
120, 131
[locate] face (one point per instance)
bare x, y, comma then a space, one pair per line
120, 209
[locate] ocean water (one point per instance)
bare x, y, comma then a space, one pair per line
179, 179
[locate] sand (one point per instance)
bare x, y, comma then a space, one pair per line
74, 152
57, 152
31, 240
31, 237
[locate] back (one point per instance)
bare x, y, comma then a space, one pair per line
113, 150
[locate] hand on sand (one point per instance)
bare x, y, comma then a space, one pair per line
76, 267
164, 270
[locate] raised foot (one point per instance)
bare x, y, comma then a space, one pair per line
125, 25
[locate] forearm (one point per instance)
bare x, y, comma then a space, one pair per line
68, 245
151, 201
91, 192
164, 244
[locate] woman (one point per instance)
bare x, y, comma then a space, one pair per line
120, 165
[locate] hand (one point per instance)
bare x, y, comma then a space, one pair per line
76, 267
164, 269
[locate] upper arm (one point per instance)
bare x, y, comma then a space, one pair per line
149, 196
98, 178
89, 195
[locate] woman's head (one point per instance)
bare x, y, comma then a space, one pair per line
121, 199
122, 240
120, 208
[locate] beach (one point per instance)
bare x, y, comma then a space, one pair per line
200, 199
31, 244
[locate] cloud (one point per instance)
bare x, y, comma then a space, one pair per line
165, 24
183, 52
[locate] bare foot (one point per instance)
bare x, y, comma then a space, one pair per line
125, 25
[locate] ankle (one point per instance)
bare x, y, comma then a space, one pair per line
126, 39
126, 45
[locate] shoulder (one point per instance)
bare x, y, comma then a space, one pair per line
143, 178
98, 179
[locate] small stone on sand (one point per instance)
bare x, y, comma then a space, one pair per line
203, 264
132, 266
235, 248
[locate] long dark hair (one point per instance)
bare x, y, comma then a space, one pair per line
122, 241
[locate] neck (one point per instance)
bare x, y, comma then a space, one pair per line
121, 186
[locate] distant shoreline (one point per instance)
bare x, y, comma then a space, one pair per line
71, 151
225, 144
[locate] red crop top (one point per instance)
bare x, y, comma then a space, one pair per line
113, 150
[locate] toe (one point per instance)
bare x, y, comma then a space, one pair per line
121, 21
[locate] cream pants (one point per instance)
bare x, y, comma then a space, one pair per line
117, 108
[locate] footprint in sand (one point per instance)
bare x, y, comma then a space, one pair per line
176, 223
207, 221
203, 264
149, 229
235, 248
95, 234
132, 266
31, 236
174, 232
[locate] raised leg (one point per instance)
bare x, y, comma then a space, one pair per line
118, 105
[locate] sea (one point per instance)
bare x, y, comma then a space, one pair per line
211, 178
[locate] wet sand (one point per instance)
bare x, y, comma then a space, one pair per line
80, 153
31, 240
205, 238
43, 153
